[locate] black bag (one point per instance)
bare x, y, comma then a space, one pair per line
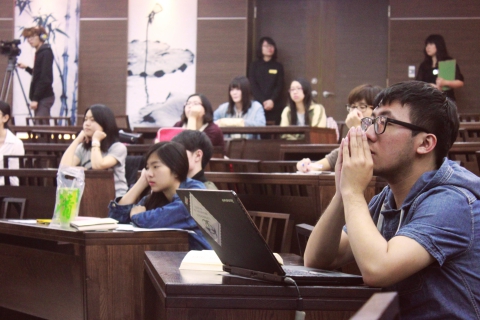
129, 137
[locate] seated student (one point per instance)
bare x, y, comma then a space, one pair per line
240, 110
199, 152
301, 109
360, 105
165, 172
198, 115
9, 143
421, 235
97, 146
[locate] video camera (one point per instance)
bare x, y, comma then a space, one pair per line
10, 48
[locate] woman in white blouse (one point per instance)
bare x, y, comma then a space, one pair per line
9, 143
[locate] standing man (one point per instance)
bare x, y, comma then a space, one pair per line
41, 90
421, 235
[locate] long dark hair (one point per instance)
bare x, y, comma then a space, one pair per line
439, 42
174, 156
259, 48
5, 109
307, 102
242, 83
105, 118
208, 116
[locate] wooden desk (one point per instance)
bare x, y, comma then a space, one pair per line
299, 151
67, 274
171, 294
264, 149
59, 148
312, 134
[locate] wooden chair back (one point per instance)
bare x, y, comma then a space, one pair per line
273, 227
235, 148
233, 165
381, 306
469, 132
466, 153
469, 117
303, 231
123, 123
31, 161
13, 203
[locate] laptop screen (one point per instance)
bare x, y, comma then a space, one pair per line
230, 231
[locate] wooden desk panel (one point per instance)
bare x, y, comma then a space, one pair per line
38, 186
172, 294
54, 273
299, 151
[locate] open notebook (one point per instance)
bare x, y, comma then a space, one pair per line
230, 231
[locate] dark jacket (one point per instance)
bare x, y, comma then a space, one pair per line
42, 74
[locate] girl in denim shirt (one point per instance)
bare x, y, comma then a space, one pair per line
165, 172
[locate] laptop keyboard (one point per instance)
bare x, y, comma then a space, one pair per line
298, 272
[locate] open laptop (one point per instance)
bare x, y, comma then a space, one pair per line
230, 231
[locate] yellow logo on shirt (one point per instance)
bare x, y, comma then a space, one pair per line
273, 71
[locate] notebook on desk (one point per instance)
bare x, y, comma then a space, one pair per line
230, 231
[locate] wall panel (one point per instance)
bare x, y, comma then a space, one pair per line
222, 8
103, 64
222, 42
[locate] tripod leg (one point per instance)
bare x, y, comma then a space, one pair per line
23, 92
7, 79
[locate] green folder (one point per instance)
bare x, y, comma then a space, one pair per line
446, 70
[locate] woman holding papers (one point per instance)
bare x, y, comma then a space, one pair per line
165, 172
97, 146
436, 51
301, 109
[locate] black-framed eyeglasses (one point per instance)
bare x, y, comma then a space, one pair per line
361, 106
380, 123
190, 104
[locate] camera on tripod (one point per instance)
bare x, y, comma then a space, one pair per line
10, 48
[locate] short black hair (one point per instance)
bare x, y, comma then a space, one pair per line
194, 140
429, 109
174, 156
259, 48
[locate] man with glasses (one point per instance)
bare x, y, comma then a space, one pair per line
420, 235
360, 105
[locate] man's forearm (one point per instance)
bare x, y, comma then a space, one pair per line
367, 244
